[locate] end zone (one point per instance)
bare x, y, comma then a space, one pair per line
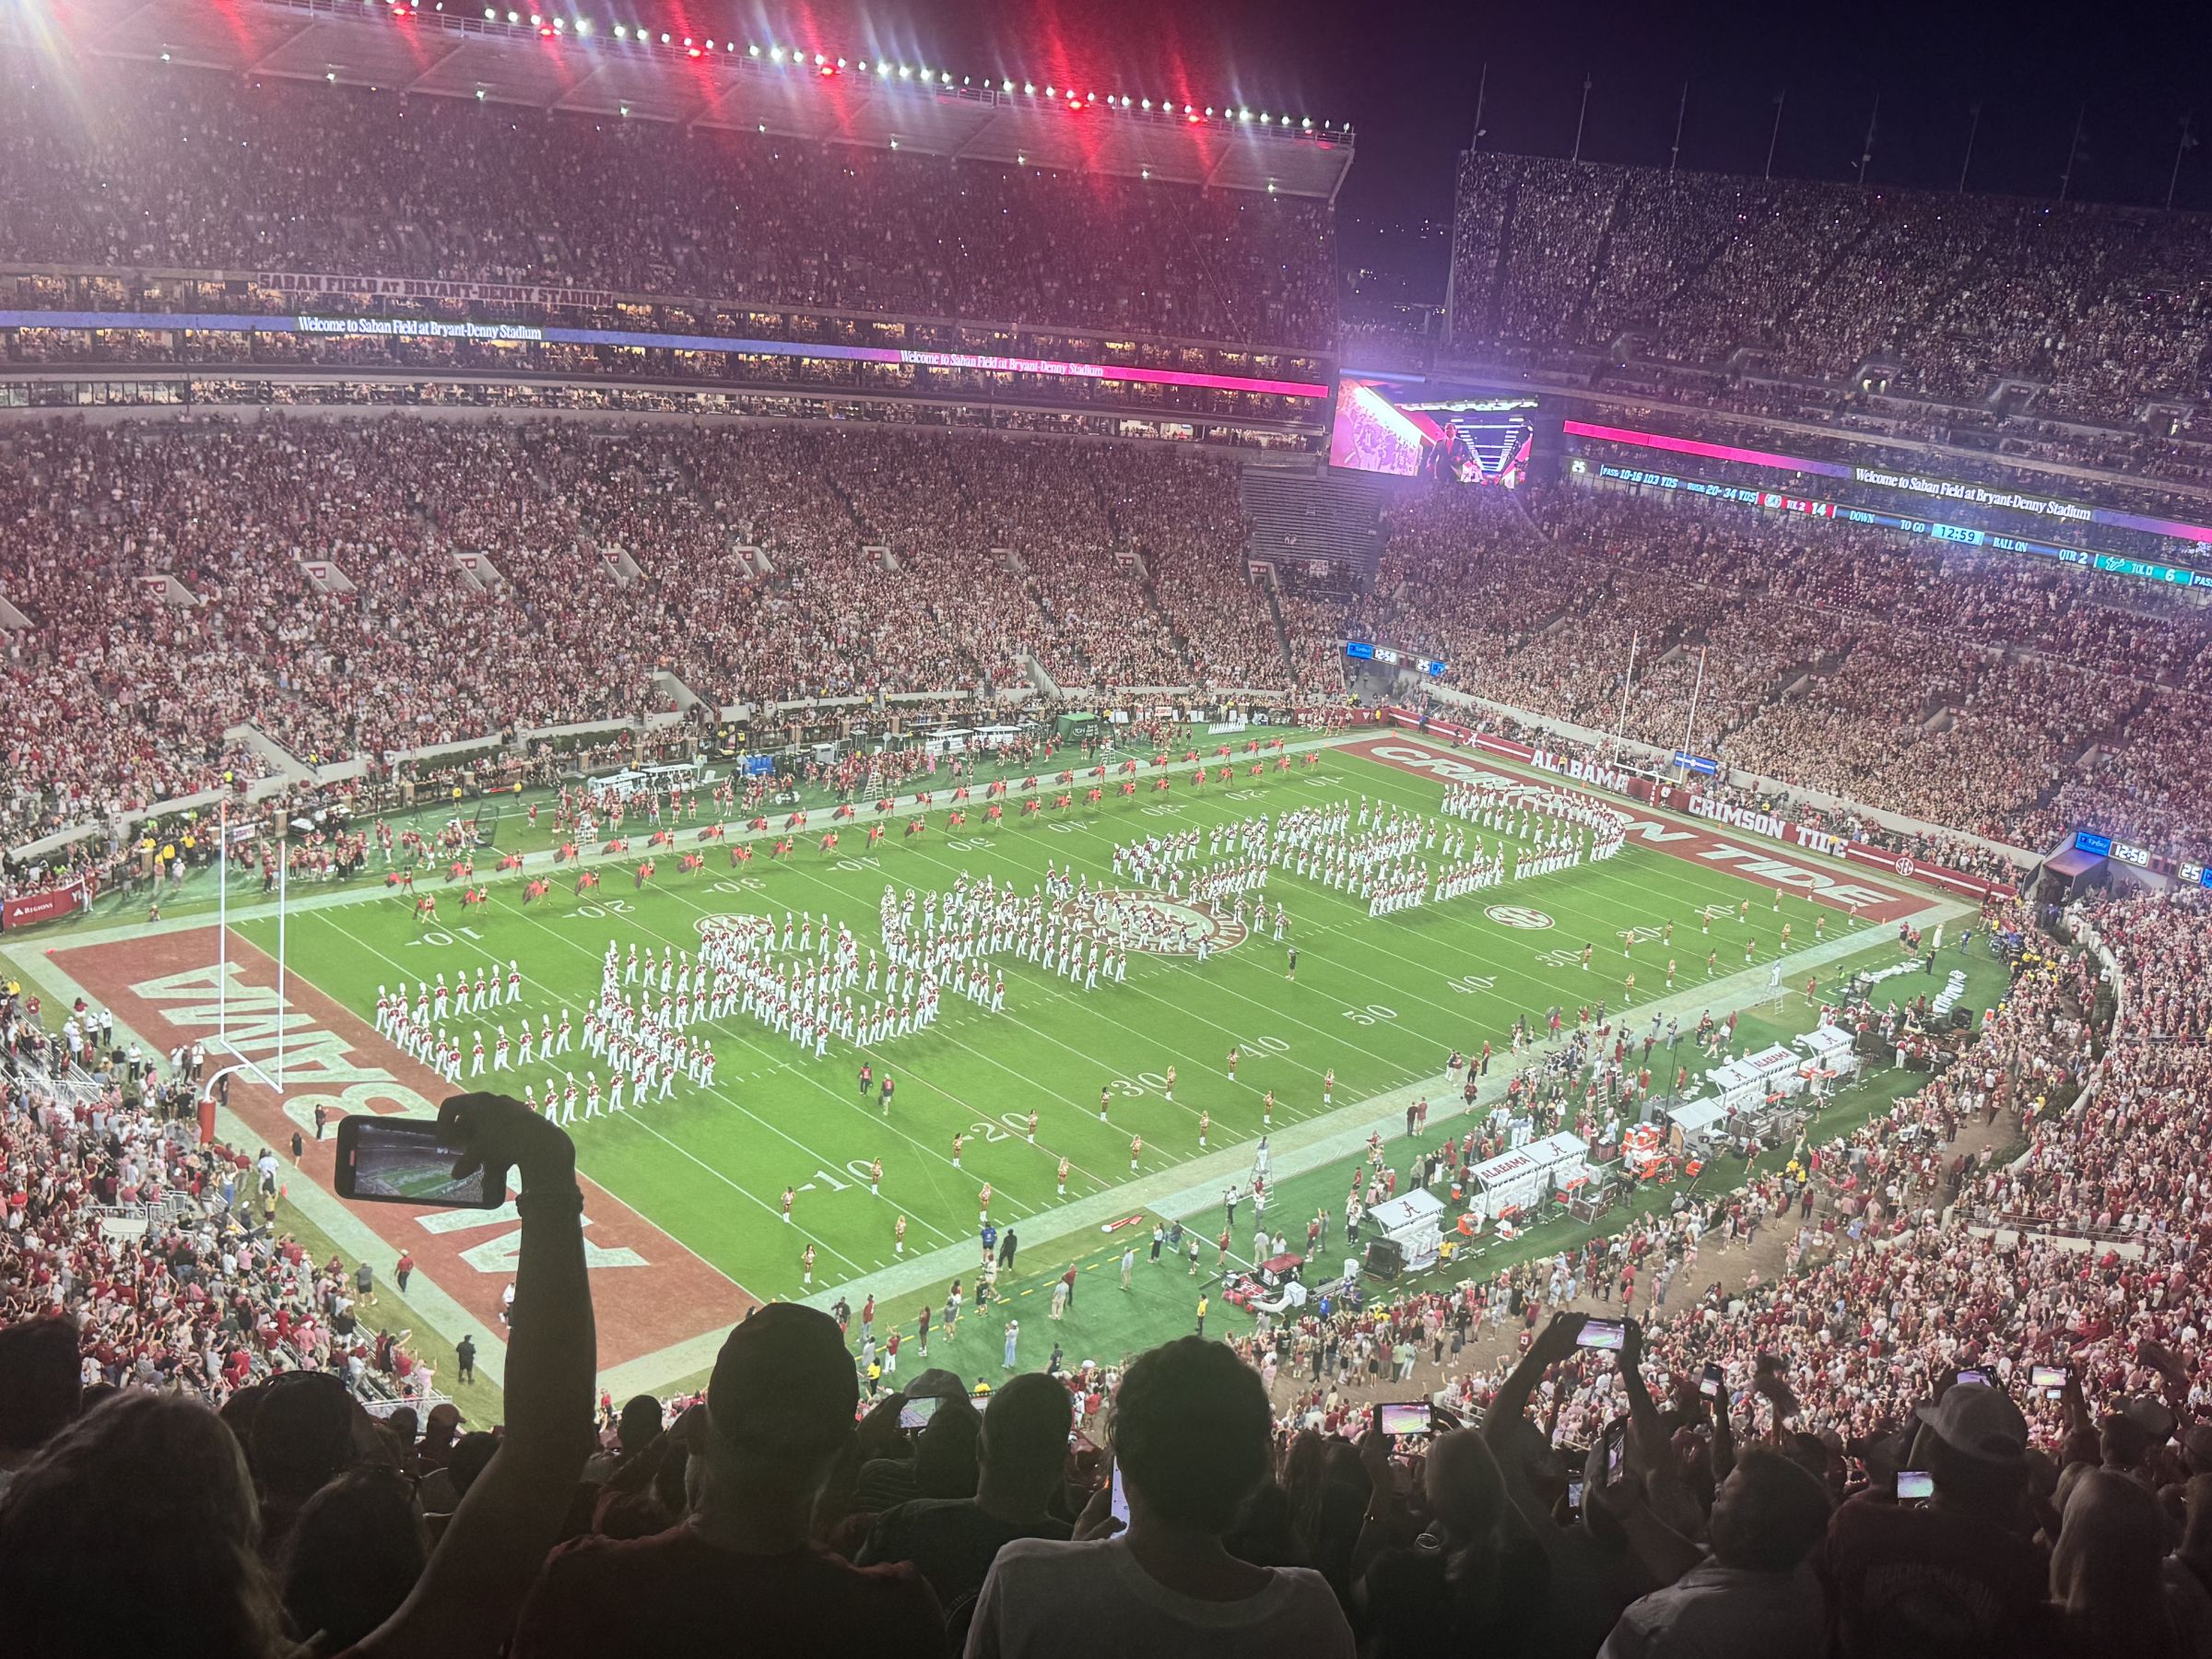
165, 989
1689, 840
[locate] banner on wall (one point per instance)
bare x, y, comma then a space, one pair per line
47, 906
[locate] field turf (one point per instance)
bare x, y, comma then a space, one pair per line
1380, 1000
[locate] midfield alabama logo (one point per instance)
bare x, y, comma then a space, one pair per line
1128, 919
1517, 915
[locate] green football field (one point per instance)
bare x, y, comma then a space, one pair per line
1379, 1000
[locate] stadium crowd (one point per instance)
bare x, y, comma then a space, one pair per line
317, 579
1963, 691
170, 570
182, 169
1948, 294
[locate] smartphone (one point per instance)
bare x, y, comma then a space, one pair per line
1119, 1502
1574, 1493
1914, 1485
1714, 1381
1606, 1334
1974, 1376
2051, 1379
1616, 1442
918, 1411
410, 1160
1411, 1416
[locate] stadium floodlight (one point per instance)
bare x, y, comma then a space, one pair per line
1147, 103
752, 51
904, 73
775, 54
1028, 88
1048, 93
1006, 85
883, 68
480, 95
584, 26
621, 32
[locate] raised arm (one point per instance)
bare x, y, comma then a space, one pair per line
464, 1605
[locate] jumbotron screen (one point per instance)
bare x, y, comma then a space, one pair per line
1409, 426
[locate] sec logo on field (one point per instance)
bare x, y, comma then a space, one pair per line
1517, 915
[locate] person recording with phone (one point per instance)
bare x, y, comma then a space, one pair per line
1955, 1573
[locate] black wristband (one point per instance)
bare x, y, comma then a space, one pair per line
552, 1200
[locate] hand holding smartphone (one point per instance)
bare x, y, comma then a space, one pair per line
1915, 1486
412, 1161
459, 1160
1409, 1416
1605, 1335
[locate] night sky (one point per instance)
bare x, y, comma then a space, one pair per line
1405, 76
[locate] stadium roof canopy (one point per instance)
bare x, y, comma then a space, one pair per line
520, 57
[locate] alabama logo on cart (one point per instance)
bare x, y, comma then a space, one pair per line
1517, 915
1131, 919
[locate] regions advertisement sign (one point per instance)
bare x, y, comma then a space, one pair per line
47, 906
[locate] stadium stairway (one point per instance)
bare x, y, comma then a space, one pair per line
1312, 517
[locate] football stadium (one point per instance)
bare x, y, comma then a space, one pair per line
959, 860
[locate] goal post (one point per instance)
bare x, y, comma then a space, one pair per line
224, 1043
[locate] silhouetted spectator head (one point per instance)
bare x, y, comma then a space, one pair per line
354, 1552
1768, 1514
134, 1530
1191, 1428
40, 1384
